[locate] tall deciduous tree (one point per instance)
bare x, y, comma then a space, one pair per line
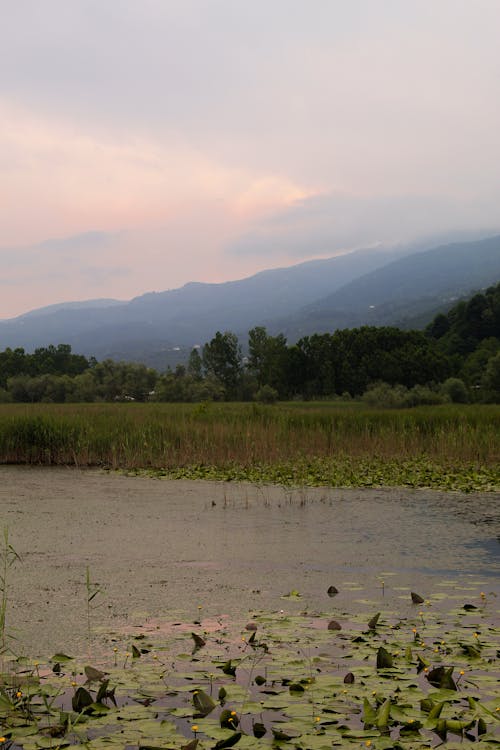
195, 365
267, 357
222, 358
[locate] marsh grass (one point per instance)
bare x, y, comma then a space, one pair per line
93, 590
249, 438
8, 557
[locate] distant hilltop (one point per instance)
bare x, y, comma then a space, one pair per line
380, 286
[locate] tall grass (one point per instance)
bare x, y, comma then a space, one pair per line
133, 436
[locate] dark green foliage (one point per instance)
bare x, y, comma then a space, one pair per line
349, 360
222, 359
267, 358
468, 323
52, 360
195, 365
383, 395
82, 381
393, 367
491, 380
455, 390
266, 395
469, 334
181, 387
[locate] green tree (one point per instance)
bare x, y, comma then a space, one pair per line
195, 365
222, 359
57, 360
13, 362
456, 390
491, 380
476, 363
267, 358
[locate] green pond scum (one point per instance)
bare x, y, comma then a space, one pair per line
283, 679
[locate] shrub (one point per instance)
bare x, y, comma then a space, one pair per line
456, 390
399, 397
266, 395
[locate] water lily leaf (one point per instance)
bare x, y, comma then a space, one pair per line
372, 624
199, 642
259, 730
441, 677
411, 729
228, 668
457, 727
296, 687
401, 715
479, 706
416, 598
94, 675
421, 664
60, 657
434, 717
293, 594
481, 726
104, 694
229, 742
228, 719
349, 678
203, 702
369, 714
97, 709
440, 729
190, 745
383, 714
81, 700
334, 625
471, 650
436, 710
284, 736
384, 659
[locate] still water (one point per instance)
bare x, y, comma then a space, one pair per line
161, 550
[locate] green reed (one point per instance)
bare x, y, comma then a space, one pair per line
223, 436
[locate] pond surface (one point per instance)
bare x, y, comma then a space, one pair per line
161, 550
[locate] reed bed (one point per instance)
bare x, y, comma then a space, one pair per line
247, 437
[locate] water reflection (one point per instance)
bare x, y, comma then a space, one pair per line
160, 548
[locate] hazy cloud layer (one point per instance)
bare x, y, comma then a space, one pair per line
208, 139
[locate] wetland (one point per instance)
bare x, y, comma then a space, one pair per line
117, 572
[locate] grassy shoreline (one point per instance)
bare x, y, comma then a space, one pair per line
314, 443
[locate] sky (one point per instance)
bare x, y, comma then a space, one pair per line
148, 143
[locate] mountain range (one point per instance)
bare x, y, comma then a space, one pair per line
377, 286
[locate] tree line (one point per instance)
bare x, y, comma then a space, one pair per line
456, 358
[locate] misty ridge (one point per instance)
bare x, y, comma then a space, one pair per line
375, 287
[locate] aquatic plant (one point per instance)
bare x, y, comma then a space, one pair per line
403, 678
8, 556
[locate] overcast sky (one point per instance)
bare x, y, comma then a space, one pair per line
146, 143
